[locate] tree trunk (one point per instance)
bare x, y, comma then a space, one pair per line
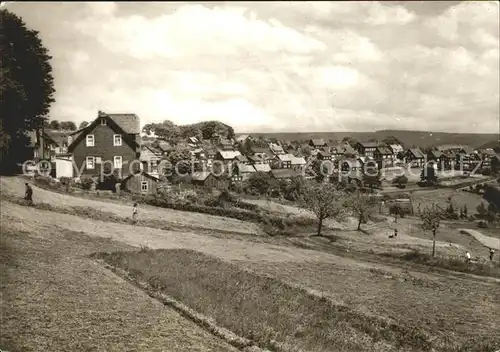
359, 223
320, 226
433, 243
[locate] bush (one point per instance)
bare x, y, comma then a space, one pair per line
482, 224
65, 181
86, 183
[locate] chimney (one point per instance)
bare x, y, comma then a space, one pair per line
100, 113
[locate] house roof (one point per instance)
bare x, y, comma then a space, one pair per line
200, 175
143, 173
369, 144
488, 151
229, 154
396, 147
285, 157
446, 147
129, 123
59, 137
436, 153
352, 162
262, 167
254, 158
242, 158
242, 138
324, 154
417, 153
298, 160
384, 150
276, 148
284, 173
318, 142
243, 168
260, 150
148, 154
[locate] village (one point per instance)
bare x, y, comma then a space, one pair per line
227, 161
249, 177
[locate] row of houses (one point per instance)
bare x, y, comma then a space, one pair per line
115, 141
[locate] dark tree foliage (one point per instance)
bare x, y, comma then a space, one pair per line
26, 86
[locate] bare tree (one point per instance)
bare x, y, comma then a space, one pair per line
431, 219
363, 205
325, 201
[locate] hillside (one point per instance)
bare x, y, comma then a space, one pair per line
422, 139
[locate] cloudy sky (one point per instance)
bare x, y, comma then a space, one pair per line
277, 66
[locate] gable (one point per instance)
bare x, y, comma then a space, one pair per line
111, 124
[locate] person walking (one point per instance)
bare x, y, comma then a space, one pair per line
29, 194
492, 252
134, 212
468, 256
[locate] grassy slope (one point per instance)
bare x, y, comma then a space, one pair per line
401, 312
55, 299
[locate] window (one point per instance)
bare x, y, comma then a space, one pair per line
90, 162
144, 186
117, 140
90, 140
103, 122
117, 160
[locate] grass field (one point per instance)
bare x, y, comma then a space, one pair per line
265, 309
337, 292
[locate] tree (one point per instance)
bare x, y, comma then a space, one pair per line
83, 125
400, 181
428, 174
180, 160
26, 85
324, 201
391, 140
431, 219
260, 182
482, 211
305, 150
362, 205
68, 125
349, 140
54, 125
397, 210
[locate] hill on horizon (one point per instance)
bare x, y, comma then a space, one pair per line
422, 139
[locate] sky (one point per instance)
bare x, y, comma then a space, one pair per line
276, 66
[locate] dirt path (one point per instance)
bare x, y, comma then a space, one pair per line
56, 299
487, 241
28, 219
15, 186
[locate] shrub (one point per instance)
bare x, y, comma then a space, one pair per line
86, 183
482, 224
65, 181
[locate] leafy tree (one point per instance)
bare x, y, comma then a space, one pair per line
260, 182
362, 205
26, 86
349, 140
83, 125
325, 201
55, 125
431, 219
428, 174
305, 150
398, 210
322, 169
68, 125
481, 210
180, 159
391, 140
